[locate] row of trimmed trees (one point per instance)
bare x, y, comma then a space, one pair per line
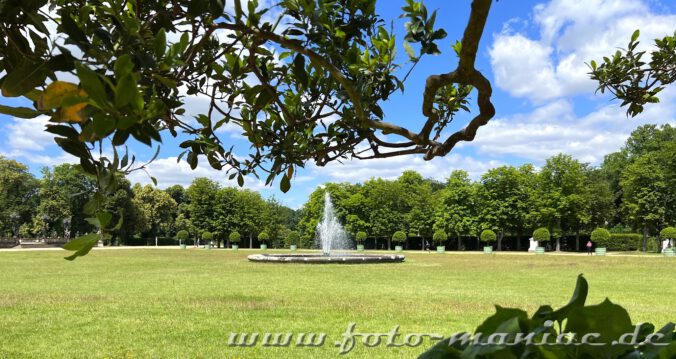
600, 236
634, 190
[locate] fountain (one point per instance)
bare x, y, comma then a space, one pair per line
333, 241
330, 233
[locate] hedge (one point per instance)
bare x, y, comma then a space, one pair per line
620, 242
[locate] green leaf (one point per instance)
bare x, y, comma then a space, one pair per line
121, 220
64, 131
160, 43
238, 11
442, 350
285, 184
123, 66
409, 50
240, 180
104, 218
197, 8
299, 69
576, 301
216, 8
81, 245
126, 91
607, 320
75, 148
23, 79
635, 35
91, 83
20, 112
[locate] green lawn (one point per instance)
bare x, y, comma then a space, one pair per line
164, 303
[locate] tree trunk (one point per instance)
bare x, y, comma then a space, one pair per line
518, 241
645, 239
389, 242
500, 235
558, 244
577, 240
250, 240
459, 243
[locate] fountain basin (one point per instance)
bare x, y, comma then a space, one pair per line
322, 259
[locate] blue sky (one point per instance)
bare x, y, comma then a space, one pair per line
534, 53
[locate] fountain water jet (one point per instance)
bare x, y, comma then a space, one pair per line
330, 236
330, 233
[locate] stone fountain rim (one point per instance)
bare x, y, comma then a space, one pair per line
347, 258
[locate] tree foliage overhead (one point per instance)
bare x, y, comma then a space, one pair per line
303, 79
634, 79
278, 72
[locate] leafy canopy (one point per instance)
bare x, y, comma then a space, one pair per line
541, 234
634, 79
600, 235
439, 237
360, 237
399, 237
234, 237
668, 233
304, 80
182, 235
488, 236
207, 236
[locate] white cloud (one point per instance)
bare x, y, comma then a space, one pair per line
391, 168
549, 68
554, 128
571, 33
27, 139
168, 173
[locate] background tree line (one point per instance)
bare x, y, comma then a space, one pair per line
634, 189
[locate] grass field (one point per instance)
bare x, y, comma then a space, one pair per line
145, 303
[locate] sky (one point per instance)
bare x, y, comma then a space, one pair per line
533, 52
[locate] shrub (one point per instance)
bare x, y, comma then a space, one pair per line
439, 237
234, 237
182, 235
620, 242
207, 236
399, 237
306, 241
360, 237
488, 236
263, 237
668, 233
654, 244
600, 237
292, 238
583, 320
541, 234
